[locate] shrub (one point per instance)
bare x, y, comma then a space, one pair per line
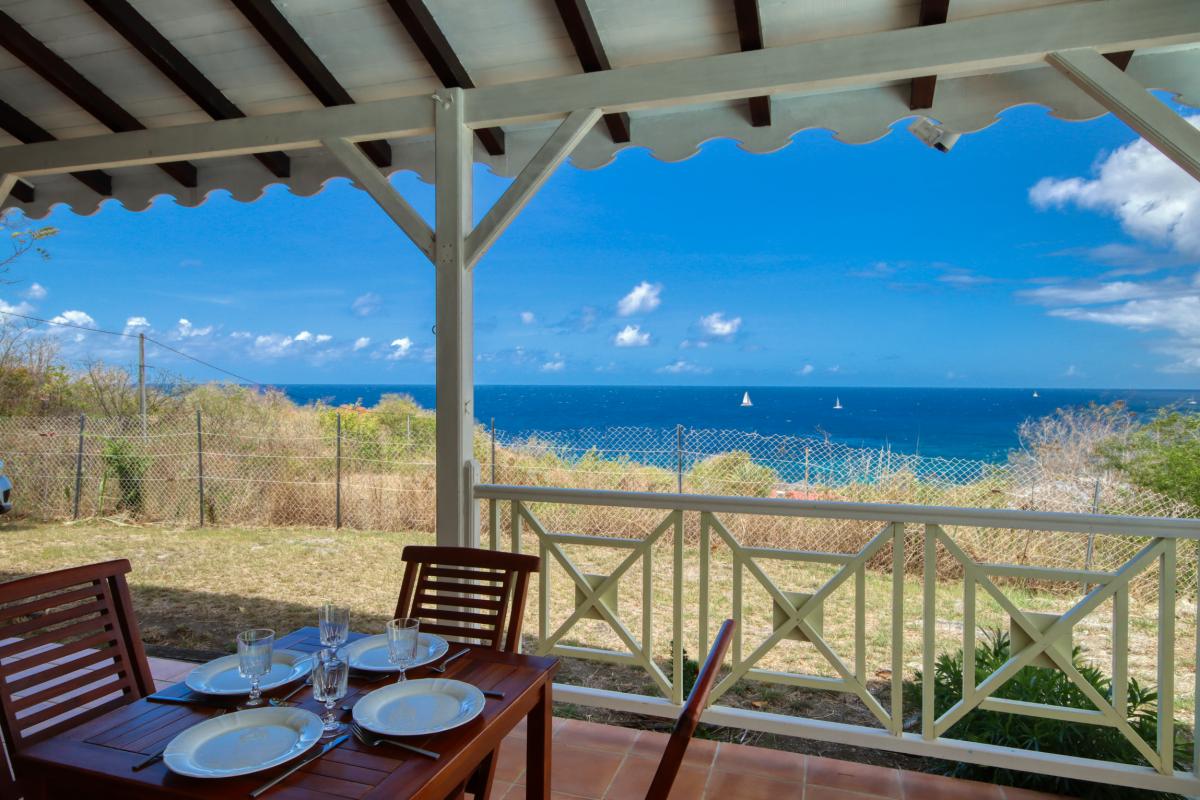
734, 473
1050, 687
1162, 455
129, 467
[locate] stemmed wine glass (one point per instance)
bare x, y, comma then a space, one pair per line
254, 660
402, 637
334, 623
330, 680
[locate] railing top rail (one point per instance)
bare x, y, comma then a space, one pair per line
828, 509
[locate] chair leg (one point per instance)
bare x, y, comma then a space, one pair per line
480, 782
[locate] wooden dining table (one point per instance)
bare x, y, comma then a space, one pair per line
96, 759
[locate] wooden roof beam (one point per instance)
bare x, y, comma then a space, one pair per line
28, 132
577, 18
295, 52
750, 35
56, 71
433, 44
159, 51
921, 90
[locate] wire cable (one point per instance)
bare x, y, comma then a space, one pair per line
124, 335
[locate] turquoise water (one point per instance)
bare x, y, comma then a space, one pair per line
951, 423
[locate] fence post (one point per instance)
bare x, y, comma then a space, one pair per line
679, 458
493, 450
337, 494
78, 469
1091, 540
200, 464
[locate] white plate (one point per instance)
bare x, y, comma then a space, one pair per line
221, 676
370, 654
419, 707
243, 742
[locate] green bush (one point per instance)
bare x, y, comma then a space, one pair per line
1162, 455
734, 473
1049, 687
128, 467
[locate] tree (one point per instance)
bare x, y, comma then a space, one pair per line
1162, 455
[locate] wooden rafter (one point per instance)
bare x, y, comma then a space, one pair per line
750, 36
159, 51
434, 45
577, 19
1120, 59
933, 12
28, 131
287, 43
56, 71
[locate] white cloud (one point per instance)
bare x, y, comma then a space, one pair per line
1179, 315
1154, 199
73, 317
322, 338
272, 344
361, 342
19, 308
528, 318
1088, 294
556, 365
400, 348
1072, 371
186, 330
303, 336
642, 298
137, 325
36, 292
681, 367
807, 369
366, 304
717, 326
631, 336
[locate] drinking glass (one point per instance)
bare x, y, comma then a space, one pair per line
254, 660
402, 637
334, 622
330, 679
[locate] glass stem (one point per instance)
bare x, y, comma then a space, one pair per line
255, 692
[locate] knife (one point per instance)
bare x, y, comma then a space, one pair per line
187, 701
296, 767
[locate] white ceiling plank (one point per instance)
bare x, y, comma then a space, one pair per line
1130, 102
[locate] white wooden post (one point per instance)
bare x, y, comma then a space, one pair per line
455, 322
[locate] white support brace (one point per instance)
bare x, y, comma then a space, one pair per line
1112, 88
453, 152
539, 169
7, 182
988, 43
376, 184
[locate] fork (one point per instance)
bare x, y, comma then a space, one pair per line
441, 668
371, 740
283, 701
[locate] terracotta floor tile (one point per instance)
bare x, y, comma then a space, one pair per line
633, 779
650, 744
923, 786
583, 772
517, 792
168, 669
865, 778
763, 761
812, 792
743, 786
510, 767
609, 738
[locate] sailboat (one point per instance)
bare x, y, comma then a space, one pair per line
837, 404
1035, 394
746, 400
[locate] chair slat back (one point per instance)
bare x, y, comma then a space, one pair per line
467, 594
689, 719
70, 650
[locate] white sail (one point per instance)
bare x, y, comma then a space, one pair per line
746, 400
837, 404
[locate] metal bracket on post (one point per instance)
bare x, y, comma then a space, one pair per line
337, 499
471, 511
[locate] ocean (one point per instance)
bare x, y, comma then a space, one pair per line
979, 424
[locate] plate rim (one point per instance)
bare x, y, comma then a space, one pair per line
300, 656
475, 692
445, 648
311, 719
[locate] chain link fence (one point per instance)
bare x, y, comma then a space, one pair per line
330, 468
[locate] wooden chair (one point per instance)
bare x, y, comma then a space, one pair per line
70, 651
466, 593
685, 726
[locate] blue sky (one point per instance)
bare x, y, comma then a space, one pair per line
1038, 253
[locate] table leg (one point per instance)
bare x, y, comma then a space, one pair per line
541, 729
